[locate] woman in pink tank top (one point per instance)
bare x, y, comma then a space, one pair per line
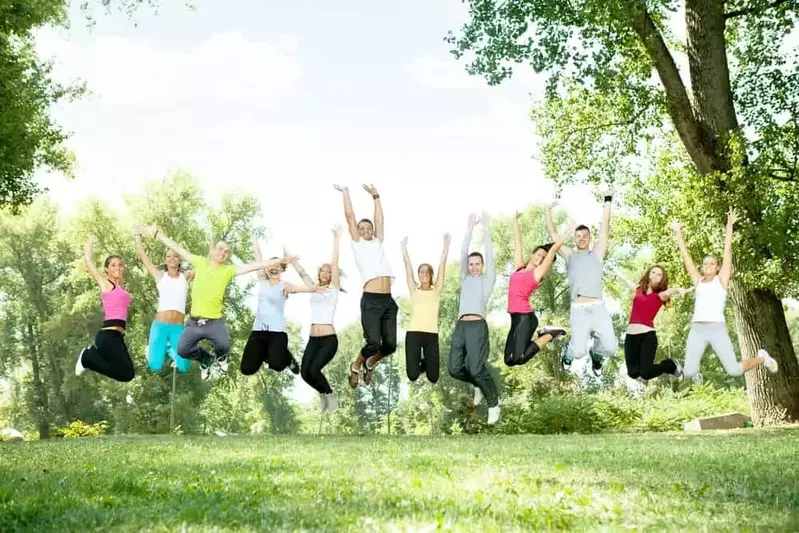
108, 355
526, 276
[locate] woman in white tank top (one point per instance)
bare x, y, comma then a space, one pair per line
323, 341
167, 326
708, 324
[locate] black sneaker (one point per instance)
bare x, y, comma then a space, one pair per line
596, 362
566, 359
556, 332
294, 367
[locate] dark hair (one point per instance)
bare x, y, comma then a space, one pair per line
282, 266
582, 227
644, 283
477, 254
110, 257
546, 247
180, 264
367, 221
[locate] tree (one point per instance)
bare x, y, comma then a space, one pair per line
738, 125
29, 138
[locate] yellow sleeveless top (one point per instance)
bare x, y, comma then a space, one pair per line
424, 310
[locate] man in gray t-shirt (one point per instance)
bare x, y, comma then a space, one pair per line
588, 313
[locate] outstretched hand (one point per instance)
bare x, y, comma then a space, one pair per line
190, 276
337, 229
289, 259
732, 217
447, 239
607, 190
555, 203
371, 189
472, 221
404, 242
675, 225
571, 224
340, 188
485, 219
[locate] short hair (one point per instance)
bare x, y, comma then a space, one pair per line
477, 254
367, 221
582, 227
112, 257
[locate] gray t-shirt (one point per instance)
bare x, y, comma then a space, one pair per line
476, 290
584, 270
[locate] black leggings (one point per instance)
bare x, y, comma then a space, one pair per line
519, 347
109, 356
639, 353
318, 353
418, 343
379, 321
270, 347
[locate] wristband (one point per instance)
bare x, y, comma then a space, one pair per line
608, 199
375, 196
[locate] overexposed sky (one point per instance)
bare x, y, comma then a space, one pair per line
284, 100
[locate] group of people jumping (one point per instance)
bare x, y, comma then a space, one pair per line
590, 326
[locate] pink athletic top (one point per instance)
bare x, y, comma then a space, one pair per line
521, 286
116, 303
645, 307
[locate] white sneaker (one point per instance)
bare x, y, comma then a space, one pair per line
332, 402
223, 363
207, 373
769, 362
478, 396
698, 379
79, 368
493, 415
678, 373
323, 403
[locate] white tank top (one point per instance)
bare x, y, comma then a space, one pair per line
709, 300
172, 293
371, 259
323, 306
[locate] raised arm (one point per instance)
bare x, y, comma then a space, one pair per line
467, 240
674, 292
88, 258
686, 255
726, 261
442, 264
552, 232
518, 258
410, 279
378, 211
491, 271
258, 257
262, 265
169, 243
349, 214
335, 277
546, 265
154, 272
306, 279
601, 246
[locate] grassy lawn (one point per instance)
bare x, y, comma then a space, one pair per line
744, 481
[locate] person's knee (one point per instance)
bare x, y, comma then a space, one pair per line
155, 364
127, 375
306, 374
413, 373
388, 347
222, 347
578, 350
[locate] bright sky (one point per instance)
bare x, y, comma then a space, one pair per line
284, 100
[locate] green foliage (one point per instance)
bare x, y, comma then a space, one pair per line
79, 428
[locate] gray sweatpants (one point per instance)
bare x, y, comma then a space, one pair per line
468, 358
716, 336
588, 317
213, 330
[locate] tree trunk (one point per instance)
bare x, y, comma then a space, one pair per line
40, 407
760, 323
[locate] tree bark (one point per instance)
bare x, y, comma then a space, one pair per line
760, 323
40, 406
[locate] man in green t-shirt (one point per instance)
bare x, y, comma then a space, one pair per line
212, 275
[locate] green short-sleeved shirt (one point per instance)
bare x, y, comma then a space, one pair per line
208, 287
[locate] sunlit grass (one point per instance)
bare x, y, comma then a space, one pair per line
714, 482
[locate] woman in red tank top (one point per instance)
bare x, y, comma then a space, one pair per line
641, 342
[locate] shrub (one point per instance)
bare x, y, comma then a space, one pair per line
79, 428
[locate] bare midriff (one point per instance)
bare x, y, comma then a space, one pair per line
170, 317
322, 330
637, 329
585, 299
381, 285
471, 318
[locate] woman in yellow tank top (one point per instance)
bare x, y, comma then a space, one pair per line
421, 337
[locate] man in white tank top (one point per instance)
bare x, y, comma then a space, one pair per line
378, 308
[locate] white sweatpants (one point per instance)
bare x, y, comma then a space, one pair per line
585, 318
716, 336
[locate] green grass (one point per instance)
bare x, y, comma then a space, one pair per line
742, 481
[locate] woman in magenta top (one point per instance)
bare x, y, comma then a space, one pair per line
520, 347
641, 342
109, 355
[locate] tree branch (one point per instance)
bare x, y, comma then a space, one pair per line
790, 177
679, 103
751, 10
